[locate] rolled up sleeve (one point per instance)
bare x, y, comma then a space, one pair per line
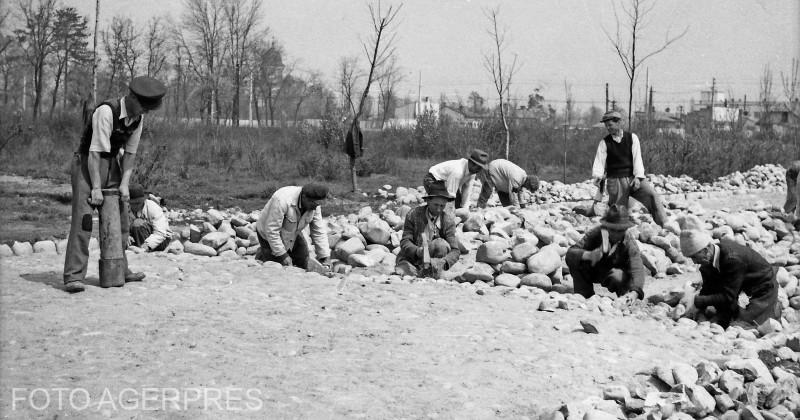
319, 235
158, 219
102, 125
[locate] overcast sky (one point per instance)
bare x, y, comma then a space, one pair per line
556, 42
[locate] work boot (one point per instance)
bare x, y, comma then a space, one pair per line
74, 287
131, 276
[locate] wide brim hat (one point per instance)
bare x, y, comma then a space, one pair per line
617, 218
611, 115
438, 189
480, 158
148, 91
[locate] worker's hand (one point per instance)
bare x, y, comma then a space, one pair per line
593, 256
596, 181
326, 262
287, 261
635, 184
124, 193
627, 299
420, 252
96, 197
130, 240
691, 311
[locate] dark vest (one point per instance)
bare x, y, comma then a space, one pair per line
119, 134
619, 156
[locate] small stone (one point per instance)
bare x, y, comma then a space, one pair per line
508, 280
5, 251
589, 328
199, 249
618, 393
22, 249
44, 247
684, 373
750, 412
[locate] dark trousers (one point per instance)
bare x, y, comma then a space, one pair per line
584, 275
80, 232
505, 198
619, 191
763, 305
299, 252
141, 229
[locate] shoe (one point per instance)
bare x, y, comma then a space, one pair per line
74, 287
131, 276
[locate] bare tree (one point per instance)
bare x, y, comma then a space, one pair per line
765, 97
378, 48
791, 88
502, 73
301, 90
390, 77
625, 44
156, 47
37, 38
270, 74
120, 43
71, 41
202, 39
349, 77
242, 18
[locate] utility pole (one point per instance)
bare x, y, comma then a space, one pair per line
94, 53
713, 94
606, 97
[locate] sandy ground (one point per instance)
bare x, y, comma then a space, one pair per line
207, 338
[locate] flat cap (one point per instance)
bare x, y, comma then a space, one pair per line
610, 115
136, 192
315, 191
148, 91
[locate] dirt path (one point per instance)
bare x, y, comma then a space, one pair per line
304, 345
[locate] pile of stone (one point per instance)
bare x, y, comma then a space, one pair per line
742, 386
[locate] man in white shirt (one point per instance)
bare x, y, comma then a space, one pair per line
149, 227
116, 126
509, 180
619, 162
457, 176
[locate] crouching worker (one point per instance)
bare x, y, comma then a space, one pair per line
728, 269
149, 226
608, 254
429, 225
509, 180
791, 206
280, 226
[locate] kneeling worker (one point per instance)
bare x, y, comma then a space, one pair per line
509, 180
429, 244
729, 269
608, 254
280, 226
149, 226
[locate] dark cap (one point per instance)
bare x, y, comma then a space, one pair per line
148, 91
611, 115
480, 158
438, 189
137, 192
531, 182
617, 218
315, 191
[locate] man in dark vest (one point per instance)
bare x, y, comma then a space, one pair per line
105, 159
619, 162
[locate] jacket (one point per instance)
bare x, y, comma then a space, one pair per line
625, 256
416, 222
741, 269
281, 221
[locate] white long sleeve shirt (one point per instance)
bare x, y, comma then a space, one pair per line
154, 215
599, 166
456, 177
103, 125
504, 176
281, 221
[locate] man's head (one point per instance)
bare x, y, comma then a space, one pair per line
144, 95
612, 121
616, 221
137, 197
697, 245
478, 161
531, 183
312, 195
437, 198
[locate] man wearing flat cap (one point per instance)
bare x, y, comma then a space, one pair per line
728, 269
609, 255
429, 225
280, 226
618, 161
508, 179
457, 176
104, 160
149, 225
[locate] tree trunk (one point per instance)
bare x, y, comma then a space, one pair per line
235, 104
